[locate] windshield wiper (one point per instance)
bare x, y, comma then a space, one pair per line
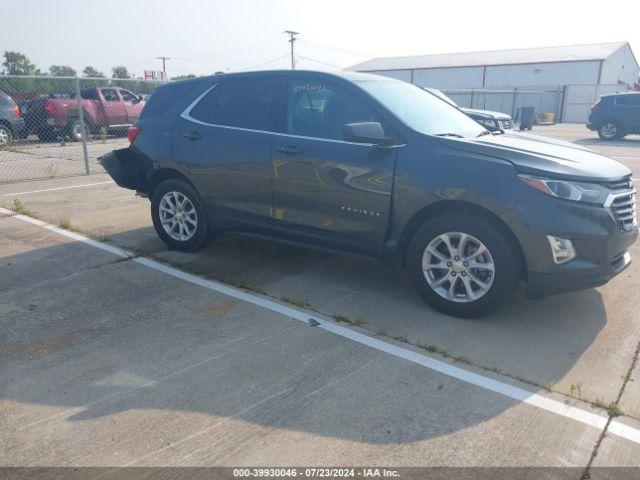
482, 134
457, 135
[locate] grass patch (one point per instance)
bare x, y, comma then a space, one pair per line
614, 410
67, 225
576, 388
463, 359
21, 209
298, 302
357, 321
244, 283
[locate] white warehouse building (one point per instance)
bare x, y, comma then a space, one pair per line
563, 80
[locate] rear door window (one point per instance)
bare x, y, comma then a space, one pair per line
127, 96
239, 103
110, 95
629, 100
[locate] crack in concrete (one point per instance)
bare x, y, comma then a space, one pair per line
64, 276
586, 474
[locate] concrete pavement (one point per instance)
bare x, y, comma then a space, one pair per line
105, 362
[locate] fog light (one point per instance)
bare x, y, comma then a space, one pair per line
562, 249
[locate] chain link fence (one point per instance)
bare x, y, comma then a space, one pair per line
46, 132
544, 101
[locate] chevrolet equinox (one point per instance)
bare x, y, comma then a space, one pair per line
373, 166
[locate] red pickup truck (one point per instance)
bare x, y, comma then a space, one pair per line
102, 107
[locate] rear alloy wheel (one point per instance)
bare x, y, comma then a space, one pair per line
5, 135
462, 265
179, 216
609, 130
75, 130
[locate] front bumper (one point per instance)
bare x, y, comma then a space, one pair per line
577, 276
601, 244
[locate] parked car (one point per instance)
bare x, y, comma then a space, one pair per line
11, 123
615, 115
493, 121
373, 166
108, 107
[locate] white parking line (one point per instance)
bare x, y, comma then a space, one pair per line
506, 389
57, 188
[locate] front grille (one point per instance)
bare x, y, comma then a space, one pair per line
505, 124
622, 202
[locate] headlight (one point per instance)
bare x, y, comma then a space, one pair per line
489, 123
576, 191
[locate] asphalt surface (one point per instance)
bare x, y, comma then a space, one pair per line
106, 361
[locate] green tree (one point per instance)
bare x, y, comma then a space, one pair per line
120, 71
61, 71
16, 63
91, 72
183, 77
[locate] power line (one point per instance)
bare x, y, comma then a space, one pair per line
292, 40
320, 61
264, 63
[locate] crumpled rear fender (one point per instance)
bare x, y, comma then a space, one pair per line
128, 168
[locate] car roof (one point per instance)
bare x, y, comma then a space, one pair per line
620, 94
346, 75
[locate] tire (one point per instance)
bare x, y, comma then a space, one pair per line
499, 253
6, 136
195, 235
74, 129
46, 134
610, 130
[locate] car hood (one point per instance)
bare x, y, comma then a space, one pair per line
486, 113
542, 156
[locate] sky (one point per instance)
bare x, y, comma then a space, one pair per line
202, 37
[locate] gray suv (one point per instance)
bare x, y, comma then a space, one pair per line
373, 166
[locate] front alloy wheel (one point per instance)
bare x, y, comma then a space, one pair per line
458, 267
463, 264
608, 131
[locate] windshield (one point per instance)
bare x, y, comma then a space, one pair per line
420, 110
441, 95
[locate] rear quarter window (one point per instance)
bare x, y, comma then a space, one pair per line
166, 96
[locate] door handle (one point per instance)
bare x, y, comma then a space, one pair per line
290, 150
192, 135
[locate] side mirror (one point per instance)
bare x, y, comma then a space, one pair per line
366, 132
136, 99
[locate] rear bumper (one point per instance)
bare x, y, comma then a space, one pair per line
17, 125
128, 169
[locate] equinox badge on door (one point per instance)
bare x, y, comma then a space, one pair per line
360, 211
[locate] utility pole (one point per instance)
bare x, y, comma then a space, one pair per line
292, 40
164, 67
